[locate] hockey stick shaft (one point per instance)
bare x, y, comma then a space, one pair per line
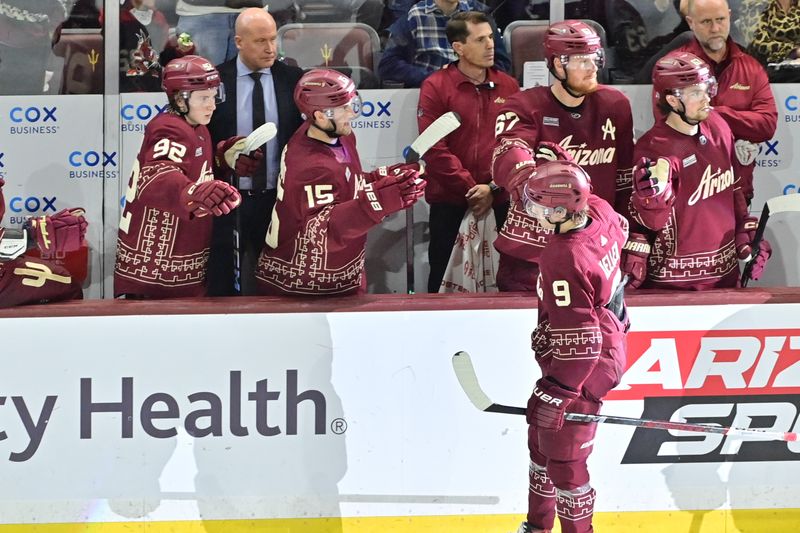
762, 226
465, 372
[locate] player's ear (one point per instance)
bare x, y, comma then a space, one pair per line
181, 103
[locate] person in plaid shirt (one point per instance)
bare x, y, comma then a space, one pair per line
418, 43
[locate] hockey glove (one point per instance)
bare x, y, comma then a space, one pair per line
552, 152
393, 193
547, 405
634, 259
60, 233
519, 177
745, 233
746, 151
214, 196
394, 170
760, 261
650, 177
231, 158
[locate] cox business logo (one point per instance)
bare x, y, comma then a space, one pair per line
2, 165
32, 204
136, 116
92, 164
792, 104
33, 120
768, 154
374, 115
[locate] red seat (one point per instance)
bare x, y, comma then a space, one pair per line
82, 50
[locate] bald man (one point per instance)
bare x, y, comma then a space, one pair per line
744, 98
256, 42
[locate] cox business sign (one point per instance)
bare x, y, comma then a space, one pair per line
33, 120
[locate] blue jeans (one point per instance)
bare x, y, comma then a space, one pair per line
212, 35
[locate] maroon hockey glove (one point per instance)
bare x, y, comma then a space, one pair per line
60, 233
393, 193
764, 253
552, 152
394, 170
547, 405
745, 232
634, 259
214, 196
519, 177
231, 158
650, 178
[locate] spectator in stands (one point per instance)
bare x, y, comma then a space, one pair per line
459, 167
210, 25
772, 28
745, 98
145, 46
686, 185
418, 43
26, 31
256, 39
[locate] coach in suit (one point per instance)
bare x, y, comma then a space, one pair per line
255, 71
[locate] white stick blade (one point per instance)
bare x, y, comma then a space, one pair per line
465, 372
438, 130
262, 134
784, 203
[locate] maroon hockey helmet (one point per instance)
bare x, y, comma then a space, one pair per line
189, 73
557, 188
570, 37
322, 89
678, 70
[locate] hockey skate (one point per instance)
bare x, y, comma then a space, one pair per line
525, 527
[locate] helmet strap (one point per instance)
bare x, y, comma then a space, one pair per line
682, 114
565, 83
330, 132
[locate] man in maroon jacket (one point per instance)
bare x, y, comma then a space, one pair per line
458, 168
591, 123
744, 98
579, 342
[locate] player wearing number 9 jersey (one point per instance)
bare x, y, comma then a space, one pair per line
326, 204
590, 122
165, 228
578, 342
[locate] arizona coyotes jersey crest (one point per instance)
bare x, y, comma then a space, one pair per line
312, 245
599, 136
162, 250
579, 273
694, 246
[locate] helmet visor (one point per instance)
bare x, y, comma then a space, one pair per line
698, 92
349, 110
585, 61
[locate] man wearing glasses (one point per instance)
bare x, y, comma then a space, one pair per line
686, 185
575, 118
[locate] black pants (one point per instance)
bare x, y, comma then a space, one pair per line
255, 212
443, 224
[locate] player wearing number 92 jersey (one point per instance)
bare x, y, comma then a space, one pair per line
165, 228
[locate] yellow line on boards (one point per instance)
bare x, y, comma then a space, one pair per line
718, 521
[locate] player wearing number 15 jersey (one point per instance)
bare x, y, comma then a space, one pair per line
326, 203
579, 341
576, 116
165, 229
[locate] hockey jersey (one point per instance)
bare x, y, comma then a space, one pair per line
694, 245
162, 249
598, 134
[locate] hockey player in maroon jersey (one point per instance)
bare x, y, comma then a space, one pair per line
326, 202
574, 115
27, 278
165, 229
686, 185
579, 341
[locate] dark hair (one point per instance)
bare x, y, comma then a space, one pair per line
457, 31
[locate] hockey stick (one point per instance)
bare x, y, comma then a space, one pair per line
259, 137
465, 372
438, 130
779, 204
